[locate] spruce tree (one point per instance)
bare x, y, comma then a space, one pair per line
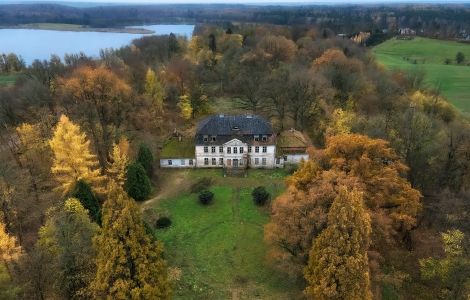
73, 159
145, 158
83, 192
129, 263
137, 183
338, 264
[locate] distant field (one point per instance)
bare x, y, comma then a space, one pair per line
219, 248
429, 55
75, 27
9, 79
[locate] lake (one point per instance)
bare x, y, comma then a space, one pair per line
33, 44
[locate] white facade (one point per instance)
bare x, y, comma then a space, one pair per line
177, 163
295, 158
235, 153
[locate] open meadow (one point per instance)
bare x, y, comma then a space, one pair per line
430, 56
219, 248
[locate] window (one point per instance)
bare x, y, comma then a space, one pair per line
278, 161
285, 157
213, 149
235, 150
249, 149
265, 149
206, 138
257, 149
221, 149
264, 138
256, 161
241, 162
256, 137
190, 162
206, 149
214, 161
263, 161
241, 149
221, 161
213, 138
229, 150
206, 161
183, 162
170, 162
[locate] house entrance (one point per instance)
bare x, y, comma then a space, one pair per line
235, 163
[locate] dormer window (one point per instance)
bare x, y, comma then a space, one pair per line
235, 128
213, 138
256, 138
264, 138
206, 138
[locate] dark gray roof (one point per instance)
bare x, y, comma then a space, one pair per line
223, 127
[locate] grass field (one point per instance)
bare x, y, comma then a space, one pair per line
7, 79
219, 248
430, 56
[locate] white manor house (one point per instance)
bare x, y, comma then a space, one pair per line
234, 142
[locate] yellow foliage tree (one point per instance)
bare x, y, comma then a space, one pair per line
9, 249
338, 266
129, 263
119, 161
185, 107
73, 159
154, 90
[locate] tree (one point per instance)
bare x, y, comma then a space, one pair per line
100, 98
277, 48
356, 161
145, 158
84, 194
129, 263
185, 107
154, 90
137, 183
338, 266
66, 239
117, 167
72, 157
206, 197
451, 274
459, 57
9, 249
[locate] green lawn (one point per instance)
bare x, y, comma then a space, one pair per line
220, 247
7, 79
430, 55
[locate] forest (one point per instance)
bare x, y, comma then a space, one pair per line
380, 211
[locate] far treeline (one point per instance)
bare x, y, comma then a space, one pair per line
379, 211
431, 20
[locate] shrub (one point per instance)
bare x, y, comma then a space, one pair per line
145, 158
137, 183
163, 222
260, 195
459, 57
202, 184
206, 197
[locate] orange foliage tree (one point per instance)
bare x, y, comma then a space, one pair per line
355, 161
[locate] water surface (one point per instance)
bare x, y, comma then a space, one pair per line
33, 44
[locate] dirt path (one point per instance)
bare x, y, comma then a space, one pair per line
171, 185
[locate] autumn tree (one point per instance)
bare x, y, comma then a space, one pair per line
67, 239
154, 90
137, 183
338, 266
129, 263
355, 161
185, 107
277, 48
9, 249
451, 274
101, 100
73, 159
117, 167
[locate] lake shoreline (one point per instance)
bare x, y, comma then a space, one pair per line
79, 28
